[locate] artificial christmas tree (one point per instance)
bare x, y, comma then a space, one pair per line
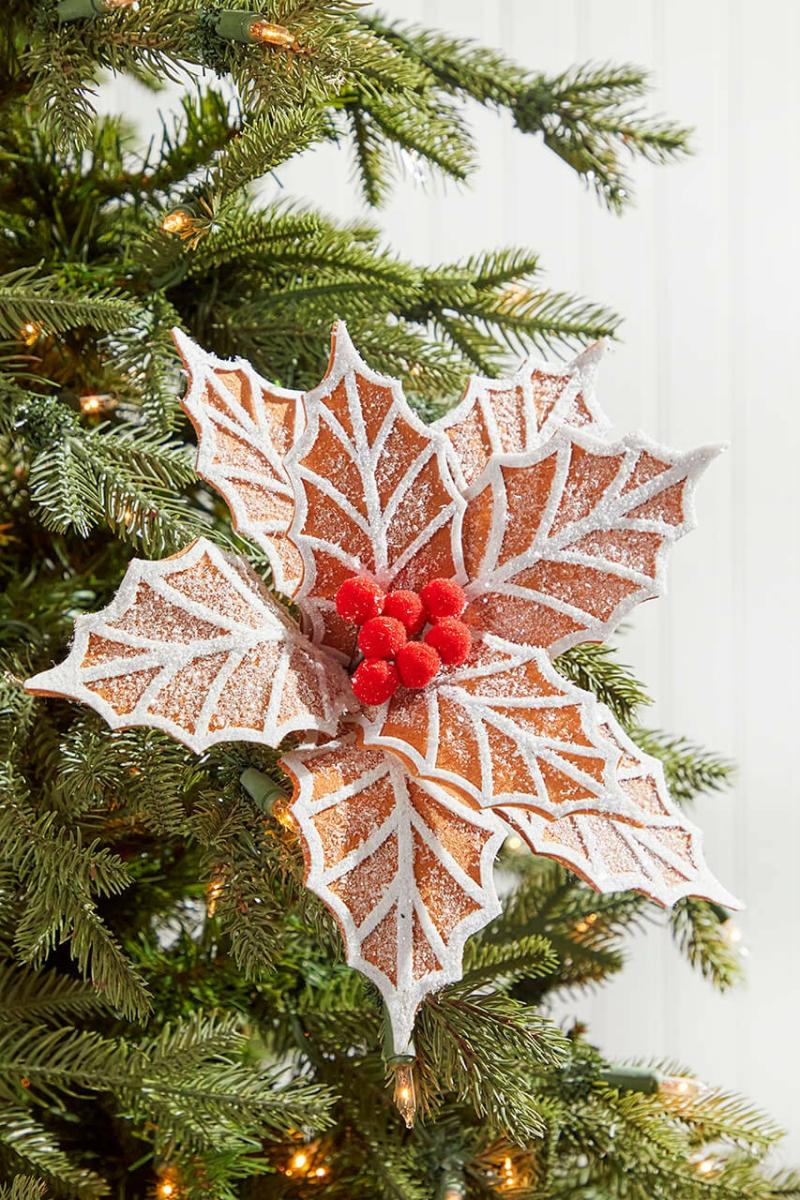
176, 1017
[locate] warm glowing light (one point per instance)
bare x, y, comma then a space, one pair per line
167, 1185
705, 1164
586, 924
30, 332
514, 844
93, 403
513, 296
299, 1160
213, 893
730, 932
280, 811
509, 1176
405, 1095
176, 221
321, 1172
681, 1087
261, 30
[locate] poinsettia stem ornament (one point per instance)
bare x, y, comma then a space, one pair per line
438, 571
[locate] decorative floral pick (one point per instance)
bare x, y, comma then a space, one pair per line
438, 569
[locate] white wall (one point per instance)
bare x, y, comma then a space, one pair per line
704, 269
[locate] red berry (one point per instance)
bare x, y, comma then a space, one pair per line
374, 681
406, 607
443, 598
381, 637
451, 639
358, 599
417, 663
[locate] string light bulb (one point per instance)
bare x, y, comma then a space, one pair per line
405, 1092
177, 221
681, 1087
167, 1186
213, 893
298, 1161
514, 295
508, 1176
236, 26
97, 402
79, 10
30, 332
272, 35
280, 811
305, 1163
513, 843
730, 932
705, 1164
732, 936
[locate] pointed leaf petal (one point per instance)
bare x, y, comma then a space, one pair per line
404, 866
374, 493
196, 646
560, 544
245, 427
504, 728
660, 854
514, 415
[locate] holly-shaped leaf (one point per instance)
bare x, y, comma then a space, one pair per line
373, 490
504, 728
404, 866
195, 645
657, 850
561, 543
511, 416
245, 427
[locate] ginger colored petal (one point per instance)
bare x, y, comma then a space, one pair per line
374, 493
196, 645
245, 427
403, 864
514, 415
657, 851
503, 728
561, 543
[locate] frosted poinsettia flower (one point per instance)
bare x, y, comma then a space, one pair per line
437, 570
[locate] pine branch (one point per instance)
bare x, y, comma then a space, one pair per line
698, 931
28, 298
594, 667
60, 876
265, 143
27, 1146
43, 996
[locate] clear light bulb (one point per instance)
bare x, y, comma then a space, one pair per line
176, 221
405, 1094
681, 1087
97, 402
261, 30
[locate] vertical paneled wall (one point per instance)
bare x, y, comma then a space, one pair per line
705, 271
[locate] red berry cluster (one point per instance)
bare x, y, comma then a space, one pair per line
389, 622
